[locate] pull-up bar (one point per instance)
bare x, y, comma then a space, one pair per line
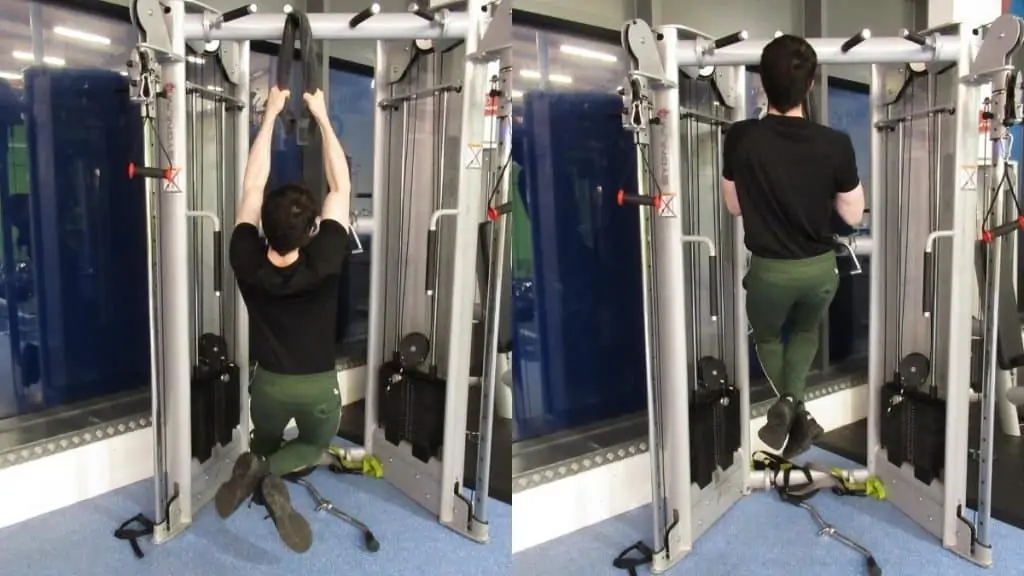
407, 26
859, 49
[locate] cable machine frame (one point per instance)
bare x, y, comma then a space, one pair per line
183, 487
656, 58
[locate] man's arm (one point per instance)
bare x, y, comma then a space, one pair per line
849, 201
729, 195
257, 167
338, 199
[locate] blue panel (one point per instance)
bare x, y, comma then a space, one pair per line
580, 357
88, 311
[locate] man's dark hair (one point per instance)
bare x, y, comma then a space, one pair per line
289, 215
788, 66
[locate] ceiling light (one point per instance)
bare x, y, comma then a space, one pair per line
587, 53
517, 94
28, 57
532, 74
80, 35
215, 88
10, 76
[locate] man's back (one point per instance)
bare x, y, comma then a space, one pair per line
788, 171
292, 309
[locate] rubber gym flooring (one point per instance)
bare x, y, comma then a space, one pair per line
78, 540
1008, 466
353, 417
764, 536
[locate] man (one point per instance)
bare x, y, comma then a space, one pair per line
786, 176
290, 285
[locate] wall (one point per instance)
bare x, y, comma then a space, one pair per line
844, 18
762, 18
603, 13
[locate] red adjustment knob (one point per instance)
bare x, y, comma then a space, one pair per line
620, 197
986, 236
657, 202
147, 172
1020, 222
492, 213
131, 170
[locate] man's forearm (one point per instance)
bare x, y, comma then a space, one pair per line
257, 167
335, 162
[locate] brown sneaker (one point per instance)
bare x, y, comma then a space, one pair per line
291, 526
245, 477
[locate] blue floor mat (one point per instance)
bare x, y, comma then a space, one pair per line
78, 540
764, 536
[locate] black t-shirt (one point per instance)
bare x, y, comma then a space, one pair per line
788, 171
292, 310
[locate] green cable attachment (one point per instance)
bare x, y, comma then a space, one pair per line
355, 462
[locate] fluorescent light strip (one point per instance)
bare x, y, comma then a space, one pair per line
28, 57
587, 53
80, 35
553, 78
517, 94
10, 76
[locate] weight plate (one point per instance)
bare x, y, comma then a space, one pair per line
711, 373
413, 349
915, 369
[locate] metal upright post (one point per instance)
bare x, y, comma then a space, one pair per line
670, 289
379, 252
741, 362
241, 149
495, 286
877, 268
174, 301
463, 285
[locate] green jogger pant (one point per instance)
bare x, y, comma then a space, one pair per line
790, 296
275, 399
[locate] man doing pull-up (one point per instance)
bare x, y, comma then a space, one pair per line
289, 282
787, 175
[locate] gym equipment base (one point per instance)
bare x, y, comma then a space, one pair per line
850, 442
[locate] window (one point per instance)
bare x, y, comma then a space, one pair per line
578, 326
73, 307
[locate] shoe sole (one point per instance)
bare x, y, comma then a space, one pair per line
774, 433
291, 526
240, 486
805, 444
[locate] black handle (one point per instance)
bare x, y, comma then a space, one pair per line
147, 172
855, 40
713, 285
1004, 229
729, 40
218, 260
621, 198
929, 285
431, 260
296, 27
421, 12
371, 541
914, 37
364, 15
495, 212
236, 13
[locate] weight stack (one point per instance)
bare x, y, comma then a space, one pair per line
204, 415
227, 404
703, 447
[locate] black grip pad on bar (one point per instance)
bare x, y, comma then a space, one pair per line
237, 13
431, 260
729, 40
364, 15
854, 41
929, 284
713, 286
916, 38
218, 260
421, 12
1004, 229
